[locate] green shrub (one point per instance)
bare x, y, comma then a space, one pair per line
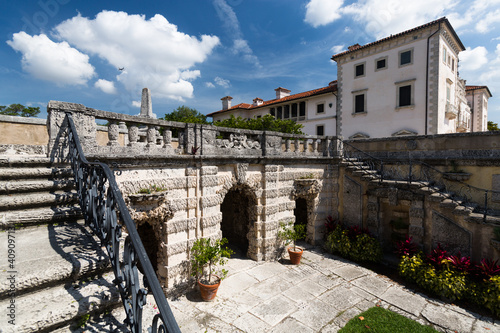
358, 246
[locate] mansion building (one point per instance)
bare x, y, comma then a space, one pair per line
405, 84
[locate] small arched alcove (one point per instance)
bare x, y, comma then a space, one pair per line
150, 242
237, 216
301, 211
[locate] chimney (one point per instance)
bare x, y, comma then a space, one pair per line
354, 47
257, 101
282, 92
226, 102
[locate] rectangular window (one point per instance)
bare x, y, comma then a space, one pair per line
444, 54
453, 64
359, 103
448, 93
272, 112
279, 114
320, 108
405, 58
405, 95
302, 110
360, 70
294, 110
287, 112
320, 130
381, 63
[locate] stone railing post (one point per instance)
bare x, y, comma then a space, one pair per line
113, 134
151, 136
167, 138
336, 147
133, 135
56, 127
287, 145
208, 138
297, 145
271, 144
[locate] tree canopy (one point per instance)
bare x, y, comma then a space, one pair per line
185, 114
265, 123
19, 110
492, 126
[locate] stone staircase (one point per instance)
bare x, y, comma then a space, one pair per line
366, 173
56, 276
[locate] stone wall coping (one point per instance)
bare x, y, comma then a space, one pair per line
112, 116
23, 120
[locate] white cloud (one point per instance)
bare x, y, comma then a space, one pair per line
385, 17
209, 85
337, 49
154, 53
106, 86
480, 15
473, 59
50, 61
222, 82
323, 12
232, 25
486, 23
137, 104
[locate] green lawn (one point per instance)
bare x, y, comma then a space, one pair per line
381, 320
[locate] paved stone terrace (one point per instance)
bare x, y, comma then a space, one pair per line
320, 295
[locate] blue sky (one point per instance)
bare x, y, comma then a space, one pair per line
195, 52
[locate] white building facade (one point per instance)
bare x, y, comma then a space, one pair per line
405, 84
316, 109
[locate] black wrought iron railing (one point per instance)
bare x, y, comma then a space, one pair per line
449, 184
106, 213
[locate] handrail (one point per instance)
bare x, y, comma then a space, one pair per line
407, 170
103, 208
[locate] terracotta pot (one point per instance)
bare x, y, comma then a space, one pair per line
208, 291
295, 255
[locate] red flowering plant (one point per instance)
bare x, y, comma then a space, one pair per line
462, 264
406, 247
438, 256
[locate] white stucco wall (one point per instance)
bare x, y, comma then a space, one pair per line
382, 117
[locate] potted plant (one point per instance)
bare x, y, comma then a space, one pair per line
291, 233
206, 258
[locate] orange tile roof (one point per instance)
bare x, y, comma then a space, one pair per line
332, 87
471, 88
357, 47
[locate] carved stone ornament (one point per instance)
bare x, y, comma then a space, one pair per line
238, 141
306, 188
151, 208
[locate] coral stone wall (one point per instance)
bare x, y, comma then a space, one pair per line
189, 204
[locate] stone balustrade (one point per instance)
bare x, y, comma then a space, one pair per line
157, 137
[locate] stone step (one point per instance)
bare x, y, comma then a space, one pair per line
63, 252
37, 199
51, 308
24, 161
34, 172
18, 186
34, 216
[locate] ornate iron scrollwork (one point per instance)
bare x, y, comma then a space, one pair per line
105, 212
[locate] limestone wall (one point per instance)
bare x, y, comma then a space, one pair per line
189, 201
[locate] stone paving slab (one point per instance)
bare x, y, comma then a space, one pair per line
279, 297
